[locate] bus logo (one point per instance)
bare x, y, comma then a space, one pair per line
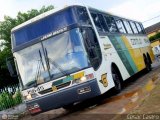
104, 80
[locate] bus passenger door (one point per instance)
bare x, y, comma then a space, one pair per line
96, 58
92, 47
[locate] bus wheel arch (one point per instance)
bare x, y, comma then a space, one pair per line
117, 78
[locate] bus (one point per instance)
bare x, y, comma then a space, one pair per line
68, 55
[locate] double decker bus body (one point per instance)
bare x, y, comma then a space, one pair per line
68, 55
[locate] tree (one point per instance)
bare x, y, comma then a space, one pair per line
5, 35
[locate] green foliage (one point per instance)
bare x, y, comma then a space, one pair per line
152, 38
18, 98
8, 101
5, 34
155, 37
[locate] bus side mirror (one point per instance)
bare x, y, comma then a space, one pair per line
11, 66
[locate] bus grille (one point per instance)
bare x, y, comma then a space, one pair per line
58, 87
63, 85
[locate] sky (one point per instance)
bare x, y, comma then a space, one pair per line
140, 10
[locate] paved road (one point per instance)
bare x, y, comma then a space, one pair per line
107, 106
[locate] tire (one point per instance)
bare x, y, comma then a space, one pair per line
68, 107
149, 58
117, 80
148, 65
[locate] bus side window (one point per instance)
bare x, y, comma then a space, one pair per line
111, 24
120, 26
139, 28
143, 31
103, 23
97, 22
128, 27
133, 27
92, 47
83, 16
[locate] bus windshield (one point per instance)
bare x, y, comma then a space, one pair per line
52, 58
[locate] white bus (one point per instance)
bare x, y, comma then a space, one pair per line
75, 53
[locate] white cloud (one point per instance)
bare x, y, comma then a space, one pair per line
138, 10
5, 8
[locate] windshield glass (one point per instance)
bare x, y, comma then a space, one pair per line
43, 26
53, 58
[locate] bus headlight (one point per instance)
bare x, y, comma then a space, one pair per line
83, 79
30, 96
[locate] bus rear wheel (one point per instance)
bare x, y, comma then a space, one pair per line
117, 81
148, 65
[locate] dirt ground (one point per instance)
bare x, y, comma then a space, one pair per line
151, 105
147, 109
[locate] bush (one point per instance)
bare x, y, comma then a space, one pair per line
8, 101
155, 37
17, 98
152, 38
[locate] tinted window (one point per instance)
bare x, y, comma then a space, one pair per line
127, 26
139, 28
83, 15
134, 28
143, 31
44, 26
111, 24
103, 23
120, 26
92, 47
97, 22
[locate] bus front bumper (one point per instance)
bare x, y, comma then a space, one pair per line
64, 97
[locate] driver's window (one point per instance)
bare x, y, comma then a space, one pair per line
92, 47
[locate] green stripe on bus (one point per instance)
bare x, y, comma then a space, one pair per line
127, 53
65, 80
123, 53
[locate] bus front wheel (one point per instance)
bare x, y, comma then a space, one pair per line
117, 80
69, 106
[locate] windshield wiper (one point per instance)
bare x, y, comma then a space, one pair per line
41, 59
55, 64
38, 71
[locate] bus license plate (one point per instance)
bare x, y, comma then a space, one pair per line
84, 90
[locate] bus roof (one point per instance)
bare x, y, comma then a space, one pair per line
43, 15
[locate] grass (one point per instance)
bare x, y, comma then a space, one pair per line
8, 101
